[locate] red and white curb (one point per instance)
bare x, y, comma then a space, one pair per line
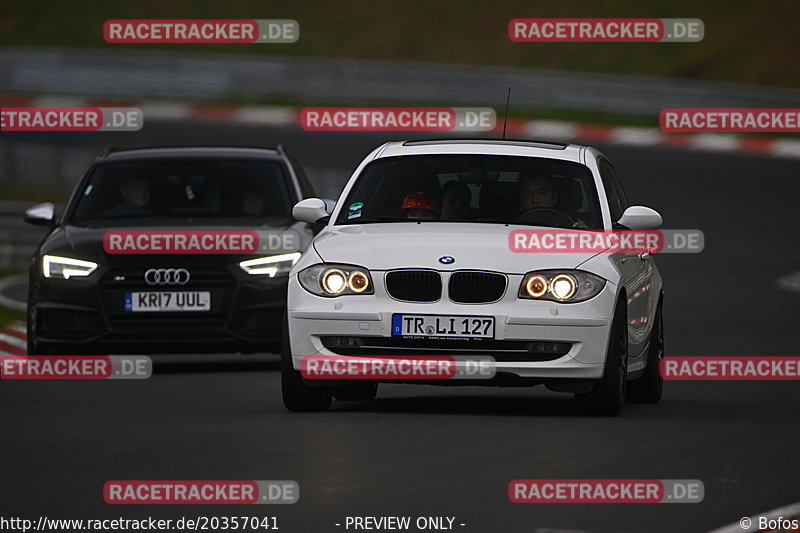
166, 111
641, 136
534, 129
13, 340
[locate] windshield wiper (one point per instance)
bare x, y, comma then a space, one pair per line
373, 220
519, 223
491, 221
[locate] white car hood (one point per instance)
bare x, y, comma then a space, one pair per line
388, 246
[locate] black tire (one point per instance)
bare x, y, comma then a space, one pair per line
650, 387
356, 392
607, 396
297, 395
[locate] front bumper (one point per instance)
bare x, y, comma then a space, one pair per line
584, 327
87, 316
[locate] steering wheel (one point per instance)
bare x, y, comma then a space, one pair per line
546, 216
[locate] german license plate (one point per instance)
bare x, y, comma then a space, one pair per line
172, 301
478, 327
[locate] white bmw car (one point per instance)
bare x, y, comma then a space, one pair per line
418, 245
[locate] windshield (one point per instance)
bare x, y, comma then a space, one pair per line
238, 190
474, 188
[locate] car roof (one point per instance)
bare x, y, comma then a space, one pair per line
114, 154
512, 147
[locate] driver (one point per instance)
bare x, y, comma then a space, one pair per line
539, 192
420, 206
252, 203
536, 191
135, 195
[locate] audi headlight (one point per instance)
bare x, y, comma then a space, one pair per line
566, 286
335, 280
271, 265
54, 266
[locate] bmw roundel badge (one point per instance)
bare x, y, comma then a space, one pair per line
447, 260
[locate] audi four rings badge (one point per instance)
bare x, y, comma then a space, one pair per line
167, 276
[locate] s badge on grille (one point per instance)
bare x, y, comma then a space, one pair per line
446, 260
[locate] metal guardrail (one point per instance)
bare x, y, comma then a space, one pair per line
141, 74
18, 240
24, 163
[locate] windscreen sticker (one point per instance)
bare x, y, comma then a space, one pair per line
354, 210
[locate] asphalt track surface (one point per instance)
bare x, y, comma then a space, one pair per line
437, 451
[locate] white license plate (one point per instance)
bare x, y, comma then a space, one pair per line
168, 301
477, 327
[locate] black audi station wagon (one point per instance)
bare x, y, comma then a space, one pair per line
167, 250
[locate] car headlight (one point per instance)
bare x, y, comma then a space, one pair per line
271, 265
335, 280
54, 266
566, 286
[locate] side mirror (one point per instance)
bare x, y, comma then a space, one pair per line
329, 205
311, 211
640, 217
41, 214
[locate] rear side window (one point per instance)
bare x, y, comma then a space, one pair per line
617, 202
306, 189
618, 186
